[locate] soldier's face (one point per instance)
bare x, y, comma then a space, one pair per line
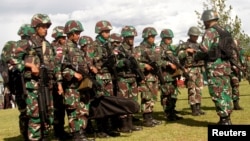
129, 40
105, 34
76, 36
151, 39
168, 40
42, 30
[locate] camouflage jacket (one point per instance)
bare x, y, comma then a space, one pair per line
98, 56
32, 51
72, 60
187, 59
210, 41
154, 53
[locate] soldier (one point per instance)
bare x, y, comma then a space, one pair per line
35, 58
186, 53
169, 90
235, 75
218, 70
99, 52
84, 43
25, 31
74, 68
59, 112
146, 53
6, 72
126, 76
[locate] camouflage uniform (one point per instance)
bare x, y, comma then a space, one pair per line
59, 112
126, 76
73, 68
31, 50
236, 73
6, 72
218, 70
24, 32
84, 43
169, 91
148, 88
98, 53
194, 69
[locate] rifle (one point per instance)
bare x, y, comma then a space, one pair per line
110, 63
134, 64
176, 62
43, 92
157, 69
234, 62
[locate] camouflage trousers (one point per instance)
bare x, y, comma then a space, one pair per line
127, 88
34, 125
168, 96
235, 86
194, 85
149, 94
77, 111
221, 93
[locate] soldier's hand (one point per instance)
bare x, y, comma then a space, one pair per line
93, 69
35, 70
190, 50
148, 67
78, 76
60, 89
173, 66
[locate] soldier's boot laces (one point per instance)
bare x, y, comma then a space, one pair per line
194, 110
198, 106
236, 105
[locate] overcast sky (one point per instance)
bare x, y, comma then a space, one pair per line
177, 15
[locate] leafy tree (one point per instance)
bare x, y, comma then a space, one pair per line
224, 12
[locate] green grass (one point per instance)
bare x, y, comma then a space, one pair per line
189, 129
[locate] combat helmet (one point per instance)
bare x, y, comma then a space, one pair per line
115, 37
194, 31
58, 31
85, 40
39, 19
73, 26
148, 31
128, 31
26, 30
102, 26
167, 33
209, 15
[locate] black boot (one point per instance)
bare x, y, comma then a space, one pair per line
125, 126
131, 126
236, 105
23, 126
198, 106
101, 129
80, 136
195, 111
156, 122
147, 121
225, 121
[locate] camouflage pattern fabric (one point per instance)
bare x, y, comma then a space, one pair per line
218, 74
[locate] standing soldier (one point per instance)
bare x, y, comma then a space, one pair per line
126, 76
169, 91
100, 52
148, 54
235, 75
25, 31
218, 69
35, 59
59, 112
194, 82
74, 68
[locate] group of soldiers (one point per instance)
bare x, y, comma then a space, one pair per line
67, 74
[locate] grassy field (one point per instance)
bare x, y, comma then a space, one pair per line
189, 129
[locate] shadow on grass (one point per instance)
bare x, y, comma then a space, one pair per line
16, 138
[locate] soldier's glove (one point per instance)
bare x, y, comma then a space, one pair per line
126, 62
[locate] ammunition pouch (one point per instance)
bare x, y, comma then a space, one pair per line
85, 84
